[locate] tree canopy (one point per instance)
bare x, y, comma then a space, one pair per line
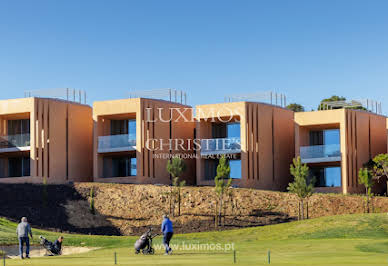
333, 98
302, 186
176, 167
356, 105
295, 107
222, 183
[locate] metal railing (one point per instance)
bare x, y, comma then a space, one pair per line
220, 146
269, 97
15, 141
67, 94
361, 104
112, 143
320, 153
172, 95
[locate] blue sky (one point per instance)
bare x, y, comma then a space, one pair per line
308, 50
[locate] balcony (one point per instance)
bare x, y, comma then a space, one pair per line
320, 153
116, 143
220, 146
15, 143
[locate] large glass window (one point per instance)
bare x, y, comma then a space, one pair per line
226, 130
133, 167
326, 176
17, 127
218, 130
119, 166
210, 169
118, 127
121, 127
331, 136
325, 137
132, 128
18, 166
3, 167
233, 130
235, 169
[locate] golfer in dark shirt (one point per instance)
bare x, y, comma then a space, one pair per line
58, 245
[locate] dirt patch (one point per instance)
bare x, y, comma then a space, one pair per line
12, 252
79, 215
133, 208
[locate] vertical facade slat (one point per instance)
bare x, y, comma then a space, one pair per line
250, 141
39, 138
33, 131
45, 136
254, 143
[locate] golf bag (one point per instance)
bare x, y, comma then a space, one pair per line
144, 243
51, 249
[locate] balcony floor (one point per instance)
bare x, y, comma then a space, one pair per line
321, 160
15, 149
118, 149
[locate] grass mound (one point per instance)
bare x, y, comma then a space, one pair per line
354, 226
379, 247
351, 226
8, 237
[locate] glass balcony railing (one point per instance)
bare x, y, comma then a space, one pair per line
320, 153
220, 146
114, 143
14, 141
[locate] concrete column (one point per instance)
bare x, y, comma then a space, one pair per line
152, 136
255, 143
244, 145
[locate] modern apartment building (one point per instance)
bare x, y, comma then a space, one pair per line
337, 143
132, 140
42, 137
256, 138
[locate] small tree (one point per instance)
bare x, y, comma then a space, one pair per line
166, 195
44, 192
365, 178
232, 201
221, 185
295, 107
91, 205
301, 187
177, 194
176, 166
380, 168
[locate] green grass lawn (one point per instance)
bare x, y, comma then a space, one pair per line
337, 240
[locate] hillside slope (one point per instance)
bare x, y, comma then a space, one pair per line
129, 209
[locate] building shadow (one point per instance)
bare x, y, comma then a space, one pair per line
45, 207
